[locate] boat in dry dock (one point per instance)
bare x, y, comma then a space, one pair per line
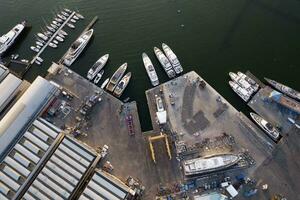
97, 67
209, 164
150, 70
77, 47
165, 63
122, 85
172, 58
284, 89
116, 77
266, 126
243, 93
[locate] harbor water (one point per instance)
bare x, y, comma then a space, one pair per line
209, 37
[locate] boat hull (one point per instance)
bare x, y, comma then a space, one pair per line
116, 77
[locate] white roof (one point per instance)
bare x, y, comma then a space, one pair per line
211, 196
25, 110
8, 87
232, 191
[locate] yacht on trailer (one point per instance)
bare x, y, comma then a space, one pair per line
8, 39
164, 62
77, 47
97, 67
150, 70
172, 58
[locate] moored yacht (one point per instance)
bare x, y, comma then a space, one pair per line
104, 83
242, 82
172, 58
97, 67
8, 39
165, 63
116, 77
77, 47
122, 85
248, 79
99, 76
150, 70
266, 126
243, 93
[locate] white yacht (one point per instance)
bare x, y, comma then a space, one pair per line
150, 70
104, 83
266, 126
42, 36
172, 58
242, 82
8, 39
248, 79
164, 62
77, 47
96, 68
116, 77
70, 25
63, 32
243, 93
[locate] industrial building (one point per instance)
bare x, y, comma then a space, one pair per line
9, 87
39, 161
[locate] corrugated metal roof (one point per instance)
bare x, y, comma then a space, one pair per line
24, 110
23, 159
9, 88
63, 171
105, 186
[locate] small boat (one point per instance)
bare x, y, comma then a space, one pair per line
73, 20
284, 89
25, 61
37, 62
150, 70
65, 14
14, 56
42, 36
61, 35
55, 41
97, 67
63, 32
40, 40
209, 164
104, 83
39, 59
56, 23
61, 17
99, 76
122, 85
38, 47
266, 126
165, 63
67, 10
58, 19
79, 16
294, 122
75, 17
59, 38
172, 58
243, 93
116, 77
70, 25
54, 26
77, 47
48, 33
39, 43
34, 49
52, 45
50, 28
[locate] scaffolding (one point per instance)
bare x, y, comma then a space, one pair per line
155, 138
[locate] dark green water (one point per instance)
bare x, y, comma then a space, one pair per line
218, 36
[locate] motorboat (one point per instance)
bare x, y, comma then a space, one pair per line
165, 63
38, 47
242, 92
65, 14
97, 67
39, 43
247, 78
48, 33
40, 40
118, 91
75, 17
61, 17
54, 26
39, 59
79, 16
33, 48
242, 82
63, 32
50, 28
104, 83
73, 20
172, 58
116, 77
77, 47
24, 60
266, 126
9, 38
209, 164
70, 25
56, 23
42, 36
99, 76
61, 35
37, 62
55, 41
150, 70
284, 89
58, 19
67, 10
52, 45
58, 38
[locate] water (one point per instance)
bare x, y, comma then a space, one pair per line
209, 37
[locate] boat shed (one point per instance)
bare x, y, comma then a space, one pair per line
9, 87
24, 111
105, 186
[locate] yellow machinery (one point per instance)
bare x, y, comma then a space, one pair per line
159, 137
